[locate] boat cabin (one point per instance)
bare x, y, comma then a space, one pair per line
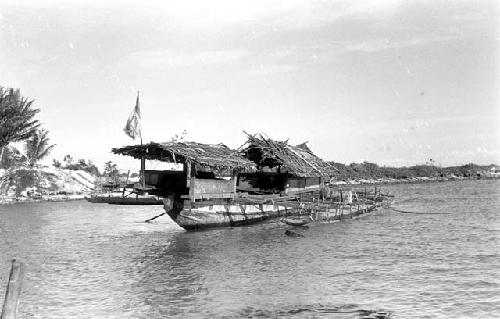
213, 171
282, 168
209, 170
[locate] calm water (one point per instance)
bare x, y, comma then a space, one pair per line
99, 261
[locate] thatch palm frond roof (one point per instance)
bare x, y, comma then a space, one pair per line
209, 155
297, 160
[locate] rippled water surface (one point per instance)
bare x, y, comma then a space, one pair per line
100, 261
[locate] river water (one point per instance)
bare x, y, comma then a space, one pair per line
100, 261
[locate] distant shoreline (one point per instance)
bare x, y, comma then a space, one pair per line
414, 180
5, 200
44, 184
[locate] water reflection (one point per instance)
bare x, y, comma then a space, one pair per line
169, 279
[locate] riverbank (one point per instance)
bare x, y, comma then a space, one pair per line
37, 184
5, 200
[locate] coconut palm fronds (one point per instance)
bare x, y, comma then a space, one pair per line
37, 147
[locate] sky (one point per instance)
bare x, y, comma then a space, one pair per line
390, 82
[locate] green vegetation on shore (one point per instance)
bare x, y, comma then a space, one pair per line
21, 176
371, 171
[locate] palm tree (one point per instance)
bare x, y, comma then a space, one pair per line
37, 147
17, 121
11, 157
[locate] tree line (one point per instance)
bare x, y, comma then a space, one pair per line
18, 123
367, 170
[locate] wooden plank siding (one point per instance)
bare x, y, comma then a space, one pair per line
211, 188
297, 184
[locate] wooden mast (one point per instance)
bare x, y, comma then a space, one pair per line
143, 159
143, 168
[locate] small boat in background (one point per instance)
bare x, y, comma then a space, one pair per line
295, 222
126, 194
118, 200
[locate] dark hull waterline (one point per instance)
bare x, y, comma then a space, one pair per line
124, 200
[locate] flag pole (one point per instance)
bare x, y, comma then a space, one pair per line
143, 160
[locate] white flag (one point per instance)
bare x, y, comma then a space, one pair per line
133, 126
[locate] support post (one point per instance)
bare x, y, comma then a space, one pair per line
143, 174
234, 178
190, 169
126, 182
187, 171
9, 310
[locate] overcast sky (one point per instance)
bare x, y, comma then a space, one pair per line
391, 82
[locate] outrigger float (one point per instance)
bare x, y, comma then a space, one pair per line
265, 179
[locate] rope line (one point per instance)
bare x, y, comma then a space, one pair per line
420, 213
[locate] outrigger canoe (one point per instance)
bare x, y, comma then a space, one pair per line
295, 222
115, 200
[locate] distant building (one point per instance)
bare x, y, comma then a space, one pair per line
495, 171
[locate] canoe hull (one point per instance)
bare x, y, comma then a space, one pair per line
228, 215
196, 216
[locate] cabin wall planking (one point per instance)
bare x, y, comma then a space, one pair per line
211, 188
297, 184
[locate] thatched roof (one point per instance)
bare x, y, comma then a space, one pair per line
209, 155
296, 160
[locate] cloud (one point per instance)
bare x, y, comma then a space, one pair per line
381, 44
273, 69
280, 14
221, 14
485, 150
399, 162
173, 59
